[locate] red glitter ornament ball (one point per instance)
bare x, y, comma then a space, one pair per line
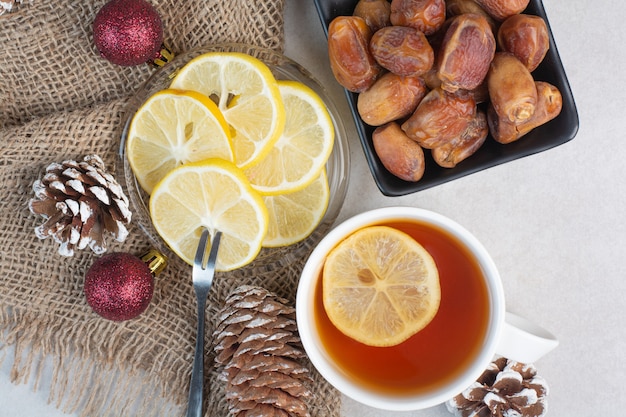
128, 32
119, 286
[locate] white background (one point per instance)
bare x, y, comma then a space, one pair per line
553, 222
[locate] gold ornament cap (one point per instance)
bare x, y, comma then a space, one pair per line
164, 56
155, 260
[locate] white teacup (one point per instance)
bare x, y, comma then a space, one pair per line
506, 334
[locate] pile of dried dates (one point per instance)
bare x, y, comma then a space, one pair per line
441, 75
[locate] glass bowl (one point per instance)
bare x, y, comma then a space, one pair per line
282, 67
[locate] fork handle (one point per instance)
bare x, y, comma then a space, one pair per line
194, 409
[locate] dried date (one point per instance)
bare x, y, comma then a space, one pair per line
465, 145
459, 7
511, 87
427, 16
466, 52
402, 156
549, 106
351, 62
501, 9
402, 50
391, 97
376, 13
526, 37
440, 117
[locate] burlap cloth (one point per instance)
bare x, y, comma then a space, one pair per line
59, 100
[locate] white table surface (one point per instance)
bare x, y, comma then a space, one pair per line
553, 222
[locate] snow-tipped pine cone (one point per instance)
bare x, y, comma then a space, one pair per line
506, 389
81, 204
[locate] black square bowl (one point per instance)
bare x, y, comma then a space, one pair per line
556, 132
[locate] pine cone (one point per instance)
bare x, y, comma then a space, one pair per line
81, 203
258, 350
506, 389
6, 6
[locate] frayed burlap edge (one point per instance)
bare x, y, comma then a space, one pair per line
79, 384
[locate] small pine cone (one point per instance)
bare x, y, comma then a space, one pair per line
80, 203
6, 6
506, 389
258, 351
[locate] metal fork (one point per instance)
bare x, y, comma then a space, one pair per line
203, 271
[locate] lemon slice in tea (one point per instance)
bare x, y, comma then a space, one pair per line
380, 286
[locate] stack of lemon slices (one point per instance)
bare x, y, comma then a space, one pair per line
229, 147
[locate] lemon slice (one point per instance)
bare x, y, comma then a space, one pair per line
298, 157
213, 194
380, 286
294, 216
247, 94
172, 128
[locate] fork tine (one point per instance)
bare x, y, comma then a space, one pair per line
203, 265
215, 244
200, 252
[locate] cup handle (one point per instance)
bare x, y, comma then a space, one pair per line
524, 341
